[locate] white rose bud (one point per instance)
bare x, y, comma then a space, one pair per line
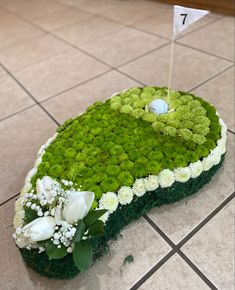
40, 229
77, 205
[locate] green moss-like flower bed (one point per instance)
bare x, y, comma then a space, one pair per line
108, 147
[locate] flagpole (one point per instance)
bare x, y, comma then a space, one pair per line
171, 68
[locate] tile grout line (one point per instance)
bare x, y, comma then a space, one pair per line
204, 51
177, 247
10, 198
197, 270
205, 220
75, 86
177, 250
146, 276
211, 78
230, 131
32, 97
18, 112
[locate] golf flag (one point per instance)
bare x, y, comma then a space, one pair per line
184, 17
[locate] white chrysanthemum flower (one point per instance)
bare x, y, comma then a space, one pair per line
223, 125
26, 188
41, 151
151, 182
216, 157
166, 178
109, 201
49, 141
208, 162
105, 216
196, 169
139, 187
37, 162
125, 195
222, 146
30, 174
182, 174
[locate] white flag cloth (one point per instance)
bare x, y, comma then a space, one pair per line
184, 17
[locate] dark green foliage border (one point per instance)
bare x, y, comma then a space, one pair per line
65, 268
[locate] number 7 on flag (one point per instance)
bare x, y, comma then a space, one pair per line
184, 17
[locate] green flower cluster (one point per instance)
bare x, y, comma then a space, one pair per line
104, 149
186, 119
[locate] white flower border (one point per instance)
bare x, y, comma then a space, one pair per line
125, 194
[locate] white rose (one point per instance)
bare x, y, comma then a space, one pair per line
182, 174
195, 169
77, 206
44, 187
166, 178
40, 229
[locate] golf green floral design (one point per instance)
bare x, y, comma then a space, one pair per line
104, 164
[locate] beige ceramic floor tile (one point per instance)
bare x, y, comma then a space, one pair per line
34, 9
31, 51
12, 97
212, 248
17, 32
75, 101
71, 2
7, 19
7, 213
20, 138
174, 274
216, 38
162, 24
122, 46
59, 73
190, 67
87, 30
98, 7
139, 239
2, 72
220, 92
130, 12
62, 18
178, 219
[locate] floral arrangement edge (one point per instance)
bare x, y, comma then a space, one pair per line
65, 268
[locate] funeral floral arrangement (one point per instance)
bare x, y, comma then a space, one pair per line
107, 167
